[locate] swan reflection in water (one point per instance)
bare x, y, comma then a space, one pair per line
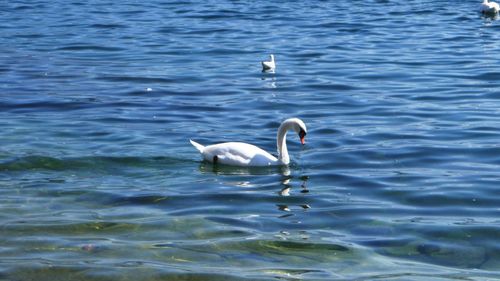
288, 186
270, 82
287, 190
228, 170
488, 18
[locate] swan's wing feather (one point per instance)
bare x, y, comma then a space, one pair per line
197, 146
268, 65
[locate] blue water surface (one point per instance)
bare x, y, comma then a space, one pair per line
398, 179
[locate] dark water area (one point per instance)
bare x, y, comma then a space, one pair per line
398, 179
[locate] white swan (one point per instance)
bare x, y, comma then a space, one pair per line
489, 7
244, 154
269, 65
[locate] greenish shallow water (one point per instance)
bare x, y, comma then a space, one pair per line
398, 179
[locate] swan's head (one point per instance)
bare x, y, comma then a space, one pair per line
299, 127
272, 57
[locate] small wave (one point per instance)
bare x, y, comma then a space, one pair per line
143, 80
331, 86
107, 26
488, 76
84, 47
46, 105
82, 163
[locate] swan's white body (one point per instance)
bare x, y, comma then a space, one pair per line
236, 154
269, 65
489, 7
244, 154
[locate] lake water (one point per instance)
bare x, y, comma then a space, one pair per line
399, 178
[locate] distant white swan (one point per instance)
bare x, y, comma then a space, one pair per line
244, 154
489, 7
269, 65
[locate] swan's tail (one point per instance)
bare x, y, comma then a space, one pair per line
197, 145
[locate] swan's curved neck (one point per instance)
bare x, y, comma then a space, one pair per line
281, 143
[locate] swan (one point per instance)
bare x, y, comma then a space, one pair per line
248, 155
489, 7
269, 65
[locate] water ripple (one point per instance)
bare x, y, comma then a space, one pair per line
399, 173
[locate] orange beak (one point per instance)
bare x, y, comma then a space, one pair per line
303, 140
